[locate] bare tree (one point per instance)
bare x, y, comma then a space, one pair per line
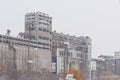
1, 69
44, 74
107, 75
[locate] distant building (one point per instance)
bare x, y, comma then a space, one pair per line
110, 64
99, 68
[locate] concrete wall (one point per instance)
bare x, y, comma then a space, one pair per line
26, 57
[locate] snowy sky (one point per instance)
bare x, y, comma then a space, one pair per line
98, 19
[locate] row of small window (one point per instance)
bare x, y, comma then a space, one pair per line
40, 29
40, 19
32, 28
63, 53
69, 54
17, 39
45, 20
30, 18
45, 44
44, 38
39, 43
79, 55
54, 59
44, 30
46, 17
25, 45
44, 23
28, 15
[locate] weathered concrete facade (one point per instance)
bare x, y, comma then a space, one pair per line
80, 45
39, 45
38, 26
32, 51
29, 54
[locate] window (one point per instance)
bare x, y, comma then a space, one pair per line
40, 29
40, 22
63, 53
40, 37
44, 48
45, 24
45, 38
47, 44
50, 32
47, 30
33, 18
50, 40
71, 54
44, 30
28, 18
40, 18
50, 22
39, 42
32, 28
79, 55
60, 53
40, 15
33, 37
39, 47
43, 43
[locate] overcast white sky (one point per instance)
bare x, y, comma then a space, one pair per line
98, 19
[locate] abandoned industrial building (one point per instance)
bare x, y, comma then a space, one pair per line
40, 47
